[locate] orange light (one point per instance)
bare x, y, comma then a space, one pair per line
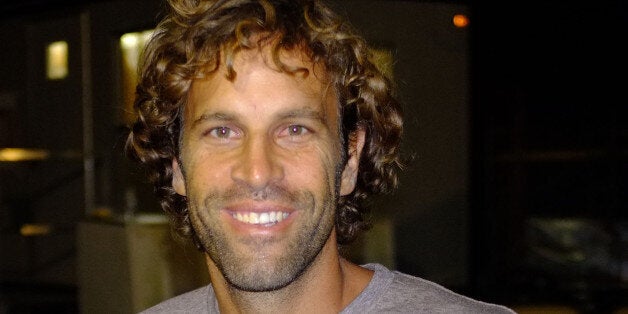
33, 230
23, 154
460, 20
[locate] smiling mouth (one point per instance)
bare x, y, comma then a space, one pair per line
265, 218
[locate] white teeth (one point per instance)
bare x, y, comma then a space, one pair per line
264, 218
254, 218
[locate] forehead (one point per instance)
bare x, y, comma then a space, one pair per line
303, 73
259, 81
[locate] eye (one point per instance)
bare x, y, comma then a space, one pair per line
296, 130
295, 133
222, 132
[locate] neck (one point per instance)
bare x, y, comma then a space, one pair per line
328, 285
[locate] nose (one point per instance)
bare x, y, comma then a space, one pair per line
258, 164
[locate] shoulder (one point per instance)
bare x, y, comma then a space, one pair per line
196, 301
395, 292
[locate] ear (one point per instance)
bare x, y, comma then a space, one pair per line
350, 172
178, 184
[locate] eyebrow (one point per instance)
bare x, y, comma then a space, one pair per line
304, 113
217, 116
295, 113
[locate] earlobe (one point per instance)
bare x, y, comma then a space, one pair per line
178, 184
350, 172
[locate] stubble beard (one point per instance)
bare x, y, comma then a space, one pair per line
255, 270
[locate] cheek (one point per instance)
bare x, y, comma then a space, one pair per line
313, 168
206, 170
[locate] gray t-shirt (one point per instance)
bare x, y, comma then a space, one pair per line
388, 292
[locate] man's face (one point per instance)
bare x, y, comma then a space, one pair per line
262, 164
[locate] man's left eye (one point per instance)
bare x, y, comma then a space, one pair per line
295, 130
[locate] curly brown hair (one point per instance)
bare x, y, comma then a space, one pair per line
196, 37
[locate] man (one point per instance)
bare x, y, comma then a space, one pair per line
265, 126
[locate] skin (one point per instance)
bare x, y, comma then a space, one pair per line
268, 142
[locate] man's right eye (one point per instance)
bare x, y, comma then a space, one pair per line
221, 132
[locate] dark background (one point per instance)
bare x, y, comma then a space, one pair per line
550, 151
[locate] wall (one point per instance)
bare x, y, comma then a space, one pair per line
430, 211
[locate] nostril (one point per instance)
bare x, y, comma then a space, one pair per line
259, 195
